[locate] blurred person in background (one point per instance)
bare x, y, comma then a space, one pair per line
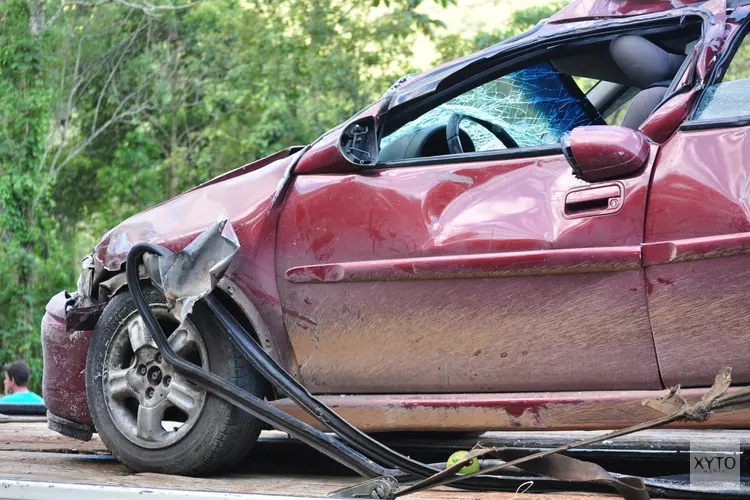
16, 385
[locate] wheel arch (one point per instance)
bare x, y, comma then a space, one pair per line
237, 304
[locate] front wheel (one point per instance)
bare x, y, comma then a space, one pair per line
152, 418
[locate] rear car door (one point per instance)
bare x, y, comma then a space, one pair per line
490, 271
698, 230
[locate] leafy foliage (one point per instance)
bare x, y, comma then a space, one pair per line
30, 249
456, 45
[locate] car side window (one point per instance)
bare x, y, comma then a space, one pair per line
729, 97
615, 114
535, 106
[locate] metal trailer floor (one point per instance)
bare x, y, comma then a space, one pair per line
36, 463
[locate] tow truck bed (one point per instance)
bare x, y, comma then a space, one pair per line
35, 462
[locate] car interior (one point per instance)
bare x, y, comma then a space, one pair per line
619, 81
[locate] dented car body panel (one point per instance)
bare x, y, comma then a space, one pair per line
178, 221
435, 239
490, 291
64, 364
250, 201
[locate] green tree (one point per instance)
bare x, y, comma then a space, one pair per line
456, 45
30, 245
224, 83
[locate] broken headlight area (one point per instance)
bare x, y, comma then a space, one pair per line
185, 277
96, 286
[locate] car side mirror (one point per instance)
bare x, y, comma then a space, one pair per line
602, 152
359, 142
346, 149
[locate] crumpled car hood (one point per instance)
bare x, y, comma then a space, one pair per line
243, 194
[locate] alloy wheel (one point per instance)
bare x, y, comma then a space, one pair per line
152, 405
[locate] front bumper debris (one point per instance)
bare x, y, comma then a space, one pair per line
68, 428
64, 352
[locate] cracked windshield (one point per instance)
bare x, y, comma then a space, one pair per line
535, 106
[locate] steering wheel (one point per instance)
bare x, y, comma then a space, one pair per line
452, 131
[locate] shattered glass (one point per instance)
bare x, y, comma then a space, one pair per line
534, 105
724, 100
729, 99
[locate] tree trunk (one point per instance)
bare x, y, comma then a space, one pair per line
36, 16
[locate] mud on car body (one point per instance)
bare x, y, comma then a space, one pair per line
520, 238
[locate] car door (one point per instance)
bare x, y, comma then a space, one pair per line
698, 230
490, 271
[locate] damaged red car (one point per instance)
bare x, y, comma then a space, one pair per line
536, 236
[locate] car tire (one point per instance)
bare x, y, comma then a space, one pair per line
210, 435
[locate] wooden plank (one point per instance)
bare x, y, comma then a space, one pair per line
103, 470
279, 465
21, 418
35, 436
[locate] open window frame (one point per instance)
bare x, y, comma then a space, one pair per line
716, 76
524, 55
